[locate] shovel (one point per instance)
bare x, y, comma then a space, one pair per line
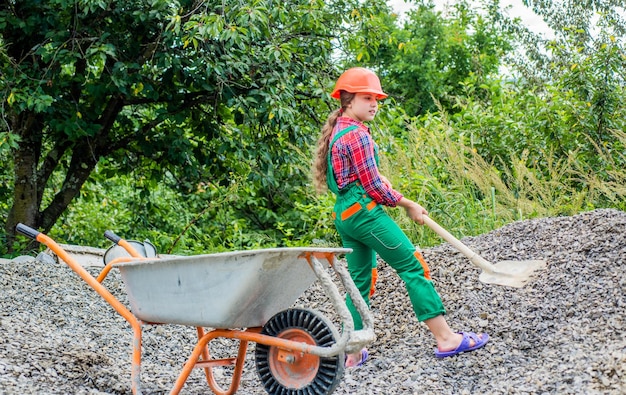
508, 273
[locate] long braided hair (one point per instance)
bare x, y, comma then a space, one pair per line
320, 165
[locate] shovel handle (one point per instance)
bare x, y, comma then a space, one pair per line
456, 243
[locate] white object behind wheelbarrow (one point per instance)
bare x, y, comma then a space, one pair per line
238, 289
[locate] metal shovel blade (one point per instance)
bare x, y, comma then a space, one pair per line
509, 273
512, 273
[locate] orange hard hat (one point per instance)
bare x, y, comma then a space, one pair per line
359, 80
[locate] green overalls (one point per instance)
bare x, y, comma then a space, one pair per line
365, 227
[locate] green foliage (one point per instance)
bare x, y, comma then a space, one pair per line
469, 195
180, 92
576, 28
425, 61
212, 218
496, 151
573, 118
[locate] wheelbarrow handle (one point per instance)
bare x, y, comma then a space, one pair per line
27, 231
112, 236
122, 243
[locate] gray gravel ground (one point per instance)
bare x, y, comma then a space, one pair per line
561, 334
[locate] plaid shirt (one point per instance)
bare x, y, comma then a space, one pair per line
353, 159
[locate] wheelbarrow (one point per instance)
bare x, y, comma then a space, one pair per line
245, 296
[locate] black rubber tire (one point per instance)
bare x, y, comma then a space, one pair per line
322, 332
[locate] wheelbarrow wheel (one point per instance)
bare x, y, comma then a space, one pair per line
286, 373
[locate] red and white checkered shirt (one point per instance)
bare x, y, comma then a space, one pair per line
353, 159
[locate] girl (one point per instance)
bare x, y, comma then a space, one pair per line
346, 162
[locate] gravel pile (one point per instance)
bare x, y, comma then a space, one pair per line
563, 333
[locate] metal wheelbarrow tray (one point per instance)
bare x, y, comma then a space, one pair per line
244, 296
238, 289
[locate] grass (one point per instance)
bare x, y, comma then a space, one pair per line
469, 196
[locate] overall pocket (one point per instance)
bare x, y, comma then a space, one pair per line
353, 204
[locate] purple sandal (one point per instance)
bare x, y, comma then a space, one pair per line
364, 356
465, 344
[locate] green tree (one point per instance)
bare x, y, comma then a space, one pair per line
192, 89
569, 85
576, 28
427, 57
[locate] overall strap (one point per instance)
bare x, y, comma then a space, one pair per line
330, 174
376, 157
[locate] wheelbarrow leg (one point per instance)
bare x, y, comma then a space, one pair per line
201, 348
135, 373
208, 371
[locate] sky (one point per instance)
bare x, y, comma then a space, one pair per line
528, 17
